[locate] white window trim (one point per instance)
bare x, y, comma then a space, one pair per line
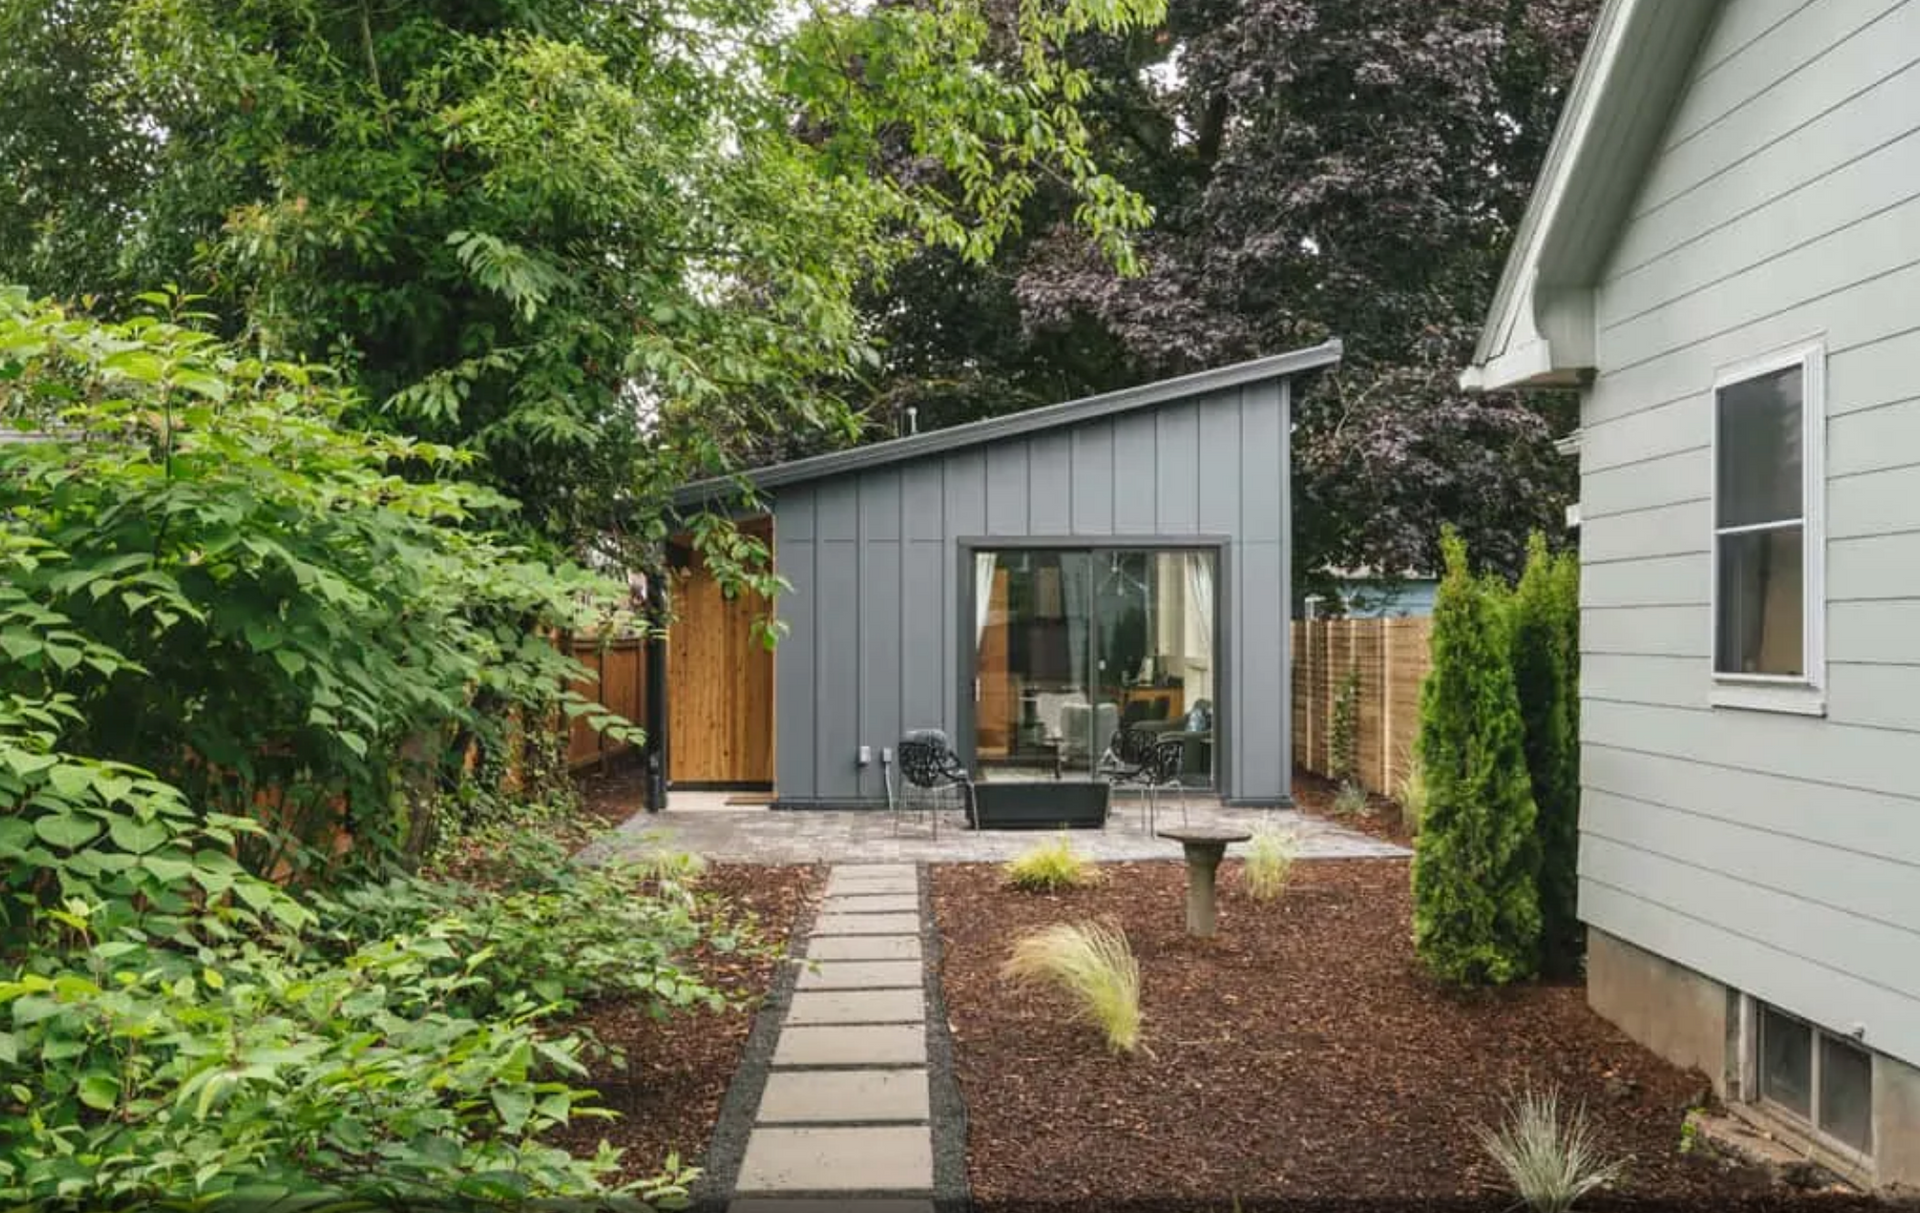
1803, 694
1752, 1093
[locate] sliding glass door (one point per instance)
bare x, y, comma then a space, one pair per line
1070, 645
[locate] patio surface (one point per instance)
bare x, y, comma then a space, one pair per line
705, 824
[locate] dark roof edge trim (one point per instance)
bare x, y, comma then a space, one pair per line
994, 429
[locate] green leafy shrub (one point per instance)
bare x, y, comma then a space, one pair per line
1343, 734
1094, 967
1550, 1156
1269, 862
1050, 867
1546, 669
278, 615
1476, 908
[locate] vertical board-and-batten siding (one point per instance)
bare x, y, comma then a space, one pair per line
1777, 854
874, 643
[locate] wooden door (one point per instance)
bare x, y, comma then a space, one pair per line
719, 687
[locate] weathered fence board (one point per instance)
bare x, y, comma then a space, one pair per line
1390, 657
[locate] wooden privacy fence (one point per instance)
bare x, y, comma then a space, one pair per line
1391, 657
621, 664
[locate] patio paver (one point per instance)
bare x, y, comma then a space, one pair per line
828, 1045
862, 975
866, 924
895, 1159
865, 947
871, 903
845, 1097
858, 1006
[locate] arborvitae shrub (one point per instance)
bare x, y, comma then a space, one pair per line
1476, 908
1546, 663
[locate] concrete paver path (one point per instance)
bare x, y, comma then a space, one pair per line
846, 1108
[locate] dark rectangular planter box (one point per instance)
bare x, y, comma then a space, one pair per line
1041, 805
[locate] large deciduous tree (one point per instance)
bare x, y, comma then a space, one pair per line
605, 245
1318, 167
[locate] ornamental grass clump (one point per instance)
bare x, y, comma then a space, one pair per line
1269, 862
1050, 867
1093, 965
1550, 1155
1413, 795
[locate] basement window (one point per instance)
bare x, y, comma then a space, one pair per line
1816, 1077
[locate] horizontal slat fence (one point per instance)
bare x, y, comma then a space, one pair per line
1391, 657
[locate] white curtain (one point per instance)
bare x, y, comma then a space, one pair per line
982, 595
1199, 622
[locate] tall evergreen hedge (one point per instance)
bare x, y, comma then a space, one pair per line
1476, 916
1546, 671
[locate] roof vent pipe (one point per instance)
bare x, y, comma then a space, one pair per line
913, 421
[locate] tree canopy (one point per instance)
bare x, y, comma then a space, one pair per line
1317, 167
602, 245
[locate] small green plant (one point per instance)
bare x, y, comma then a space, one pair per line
1050, 867
1093, 965
1413, 794
1344, 740
1350, 800
1550, 1155
1269, 862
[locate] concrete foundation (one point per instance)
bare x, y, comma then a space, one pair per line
1693, 1021
1689, 1020
1896, 1124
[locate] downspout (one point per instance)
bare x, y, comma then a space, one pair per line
656, 690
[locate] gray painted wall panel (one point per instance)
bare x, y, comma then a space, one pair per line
878, 647
1176, 507
793, 662
880, 504
1777, 853
924, 636
1134, 480
923, 508
881, 624
1220, 470
1050, 483
1007, 488
1092, 479
837, 667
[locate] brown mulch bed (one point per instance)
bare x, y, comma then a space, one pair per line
615, 794
1300, 1056
1314, 795
676, 1070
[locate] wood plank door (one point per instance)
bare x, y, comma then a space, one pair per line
719, 687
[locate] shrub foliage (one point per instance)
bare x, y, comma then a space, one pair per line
242, 643
1546, 670
1476, 909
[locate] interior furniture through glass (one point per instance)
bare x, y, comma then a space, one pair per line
1071, 644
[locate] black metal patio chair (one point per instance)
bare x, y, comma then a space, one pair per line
1148, 760
927, 764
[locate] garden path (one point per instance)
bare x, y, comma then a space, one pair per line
856, 1107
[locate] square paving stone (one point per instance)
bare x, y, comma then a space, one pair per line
802, 1204
871, 903
865, 947
844, 1097
858, 1006
867, 924
888, 1044
861, 975
873, 871
872, 1158
897, 886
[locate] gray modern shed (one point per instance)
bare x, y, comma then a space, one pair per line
1030, 583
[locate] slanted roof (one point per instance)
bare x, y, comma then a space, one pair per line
1539, 332
995, 429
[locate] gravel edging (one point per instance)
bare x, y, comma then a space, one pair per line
948, 1110
727, 1148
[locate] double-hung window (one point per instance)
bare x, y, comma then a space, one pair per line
1768, 608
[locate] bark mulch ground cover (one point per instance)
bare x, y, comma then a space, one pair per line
1299, 1060
669, 1085
1314, 795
